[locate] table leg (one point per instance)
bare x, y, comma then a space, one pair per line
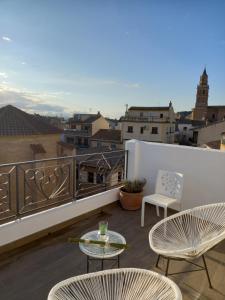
87, 264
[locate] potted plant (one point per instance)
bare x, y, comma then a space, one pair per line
131, 194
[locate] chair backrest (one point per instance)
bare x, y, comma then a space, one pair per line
169, 184
189, 233
116, 284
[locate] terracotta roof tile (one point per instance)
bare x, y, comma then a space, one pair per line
14, 121
107, 135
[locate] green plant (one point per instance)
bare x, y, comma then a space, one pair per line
135, 186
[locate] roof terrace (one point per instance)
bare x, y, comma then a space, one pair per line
31, 269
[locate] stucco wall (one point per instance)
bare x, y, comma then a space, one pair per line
147, 134
17, 148
210, 133
202, 168
100, 123
26, 226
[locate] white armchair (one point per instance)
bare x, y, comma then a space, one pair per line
117, 284
169, 188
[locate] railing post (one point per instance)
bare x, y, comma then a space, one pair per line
17, 194
74, 177
126, 164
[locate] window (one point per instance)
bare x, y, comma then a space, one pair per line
154, 130
90, 177
185, 128
119, 176
113, 146
161, 116
141, 114
130, 129
213, 116
70, 140
99, 144
79, 141
99, 178
142, 130
85, 141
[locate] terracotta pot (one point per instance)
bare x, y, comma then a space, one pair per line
131, 201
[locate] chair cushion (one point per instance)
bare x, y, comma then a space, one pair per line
159, 200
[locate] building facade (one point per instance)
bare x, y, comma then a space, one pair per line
209, 133
82, 127
110, 138
202, 110
25, 137
152, 124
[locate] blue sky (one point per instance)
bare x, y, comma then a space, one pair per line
60, 57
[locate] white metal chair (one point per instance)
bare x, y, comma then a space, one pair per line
117, 284
188, 235
168, 190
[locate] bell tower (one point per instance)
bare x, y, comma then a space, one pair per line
202, 91
202, 95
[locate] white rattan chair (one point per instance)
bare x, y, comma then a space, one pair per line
168, 190
117, 284
189, 234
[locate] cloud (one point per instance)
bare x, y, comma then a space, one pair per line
31, 102
23, 63
3, 75
6, 39
92, 82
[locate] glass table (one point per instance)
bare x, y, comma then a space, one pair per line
98, 252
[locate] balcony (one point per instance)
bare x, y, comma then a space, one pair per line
32, 269
151, 119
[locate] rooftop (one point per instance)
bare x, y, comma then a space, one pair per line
85, 118
107, 135
14, 121
149, 108
31, 271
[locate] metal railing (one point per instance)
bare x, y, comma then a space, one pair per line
145, 119
32, 186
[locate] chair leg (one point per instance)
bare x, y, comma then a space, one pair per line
165, 212
207, 272
157, 211
143, 214
157, 263
167, 267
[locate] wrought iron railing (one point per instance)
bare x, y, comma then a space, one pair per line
32, 186
145, 119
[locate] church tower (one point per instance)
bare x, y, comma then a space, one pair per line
202, 91
201, 104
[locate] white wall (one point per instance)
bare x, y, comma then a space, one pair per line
211, 133
203, 169
26, 226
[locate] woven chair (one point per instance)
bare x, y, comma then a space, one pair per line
117, 284
188, 235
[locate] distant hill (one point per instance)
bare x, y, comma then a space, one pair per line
183, 114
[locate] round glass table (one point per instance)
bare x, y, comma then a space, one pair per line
98, 252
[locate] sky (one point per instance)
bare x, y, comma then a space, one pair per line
61, 57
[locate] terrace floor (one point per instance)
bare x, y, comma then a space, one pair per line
31, 271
